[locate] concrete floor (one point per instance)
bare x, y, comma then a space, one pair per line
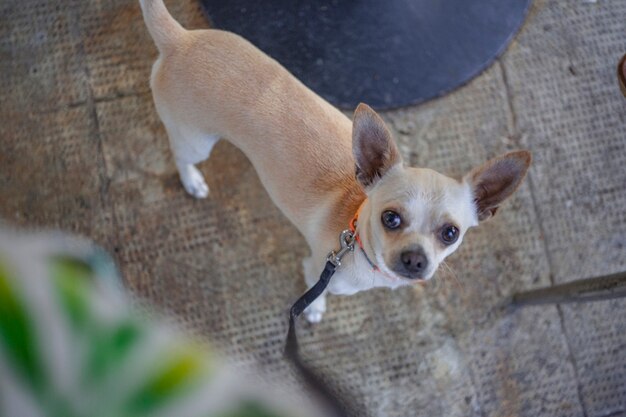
81, 149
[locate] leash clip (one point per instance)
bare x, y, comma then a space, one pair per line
346, 240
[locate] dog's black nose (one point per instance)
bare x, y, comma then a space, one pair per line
414, 262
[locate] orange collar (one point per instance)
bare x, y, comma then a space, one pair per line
353, 224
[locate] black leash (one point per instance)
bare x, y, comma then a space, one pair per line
333, 261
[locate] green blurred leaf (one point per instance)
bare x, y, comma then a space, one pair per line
72, 278
180, 373
17, 332
109, 347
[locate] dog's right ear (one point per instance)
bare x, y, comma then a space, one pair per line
496, 180
374, 150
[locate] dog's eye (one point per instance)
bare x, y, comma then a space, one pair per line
449, 234
391, 219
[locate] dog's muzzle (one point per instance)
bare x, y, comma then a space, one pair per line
412, 263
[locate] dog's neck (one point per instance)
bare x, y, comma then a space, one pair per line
346, 205
348, 209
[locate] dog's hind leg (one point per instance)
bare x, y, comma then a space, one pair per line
190, 148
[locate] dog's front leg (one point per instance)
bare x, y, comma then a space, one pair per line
316, 310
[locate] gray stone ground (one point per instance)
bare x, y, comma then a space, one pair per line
82, 149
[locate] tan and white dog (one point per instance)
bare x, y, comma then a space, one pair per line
318, 167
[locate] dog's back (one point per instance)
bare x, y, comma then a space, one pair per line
209, 84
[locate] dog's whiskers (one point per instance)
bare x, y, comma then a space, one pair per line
449, 272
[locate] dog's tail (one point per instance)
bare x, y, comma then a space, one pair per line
161, 25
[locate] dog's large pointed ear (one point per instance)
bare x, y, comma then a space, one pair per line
496, 180
374, 150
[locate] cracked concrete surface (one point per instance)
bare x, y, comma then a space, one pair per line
81, 149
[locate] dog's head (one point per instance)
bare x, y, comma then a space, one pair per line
415, 217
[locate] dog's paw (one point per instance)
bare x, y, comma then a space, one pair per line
314, 314
193, 181
313, 317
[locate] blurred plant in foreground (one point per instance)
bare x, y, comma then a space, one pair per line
71, 345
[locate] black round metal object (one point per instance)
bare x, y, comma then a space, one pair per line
385, 53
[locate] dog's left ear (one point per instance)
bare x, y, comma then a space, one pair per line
496, 180
374, 150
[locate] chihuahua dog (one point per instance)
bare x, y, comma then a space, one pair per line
323, 171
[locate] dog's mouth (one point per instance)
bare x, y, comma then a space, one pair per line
412, 278
405, 275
